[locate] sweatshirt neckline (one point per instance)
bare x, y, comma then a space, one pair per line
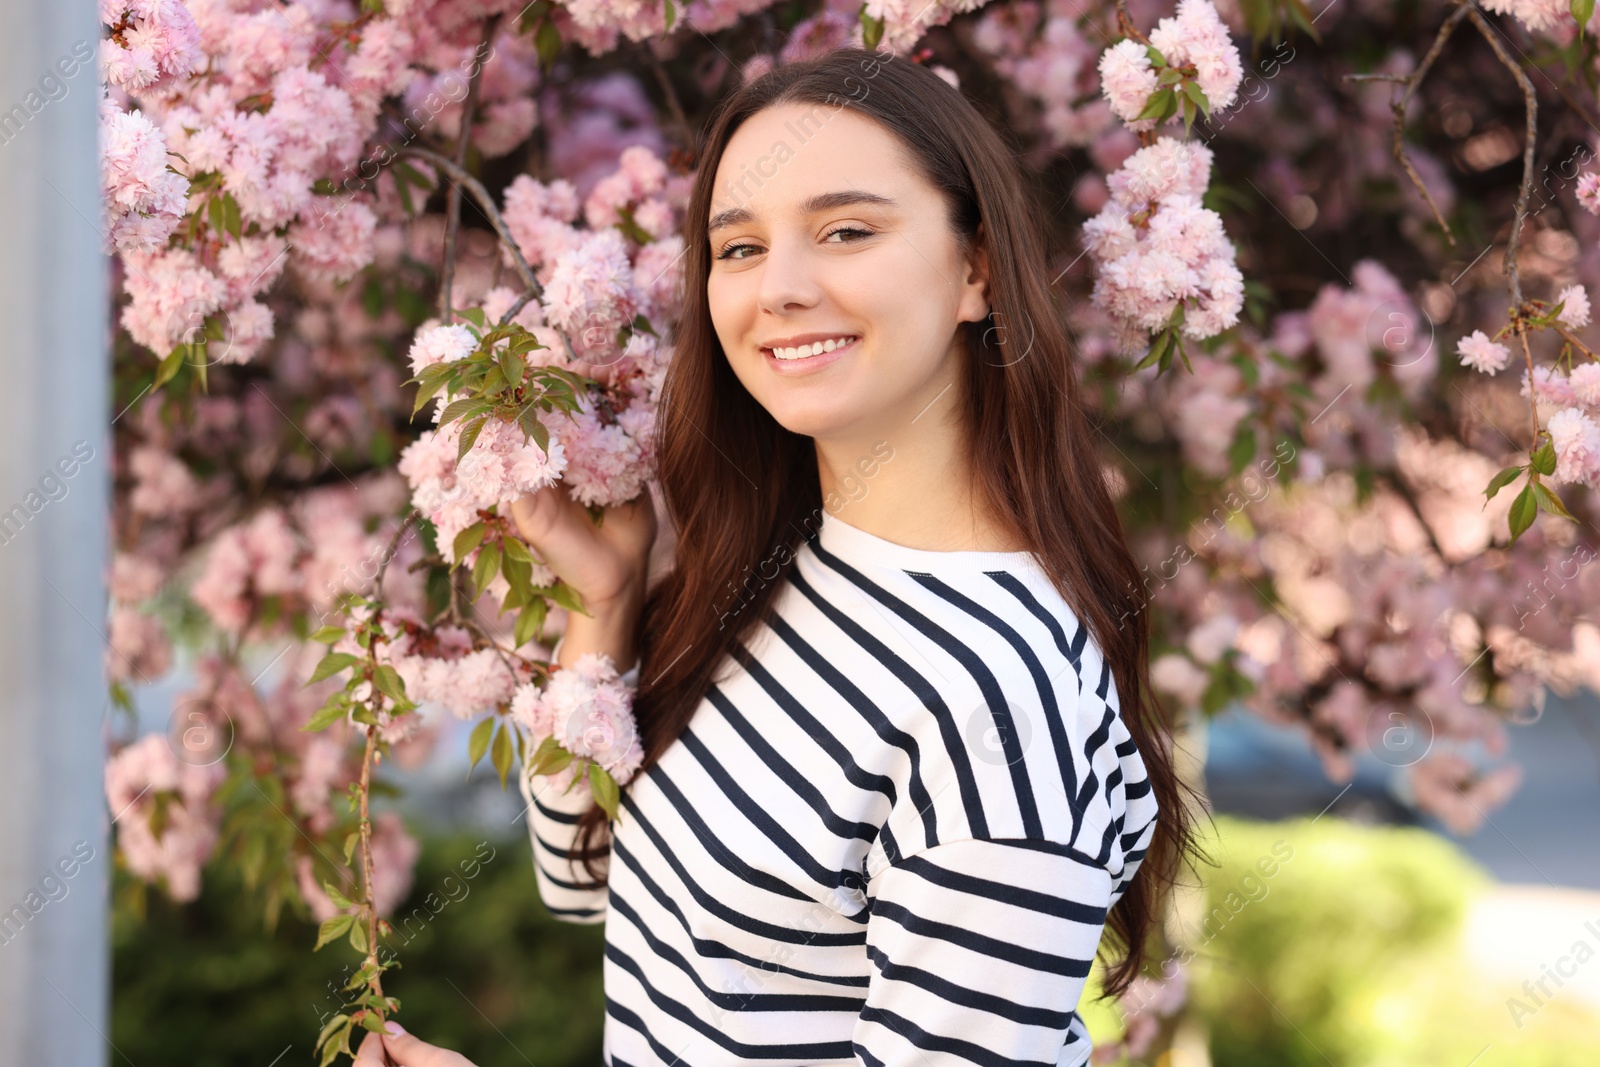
853, 543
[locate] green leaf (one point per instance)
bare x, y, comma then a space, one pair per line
518, 573
358, 936
500, 753
1157, 350
549, 758
1550, 502
328, 634
547, 42
470, 405
512, 367
1156, 58
532, 14
333, 929
1543, 459
1156, 106
352, 839
604, 788
169, 366
469, 436
326, 716
389, 683
335, 1024
672, 14
478, 743
515, 549
871, 28
1244, 448
372, 1021
528, 623
1500, 481
567, 597
332, 664
484, 571
1193, 91
1523, 510
469, 539
231, 221
1582, 10
475, 316
337, 897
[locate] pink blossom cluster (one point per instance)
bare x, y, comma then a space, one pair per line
1195, 37
1550, 17
269, 117
502, 464
506, 111
1368, 330
588, 709
1156, 247
248, 562
146, 781
144, 198
1052, 60
1481, 353
151, 45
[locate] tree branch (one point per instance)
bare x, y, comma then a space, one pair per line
485, 202
1531, 107
1411, 83
452, 200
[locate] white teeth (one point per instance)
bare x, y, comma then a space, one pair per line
813, 349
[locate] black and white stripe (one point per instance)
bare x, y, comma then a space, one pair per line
889, 837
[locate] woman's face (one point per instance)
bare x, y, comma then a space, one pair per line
821, 231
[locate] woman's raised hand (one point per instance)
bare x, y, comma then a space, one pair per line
607, 565
399, 1049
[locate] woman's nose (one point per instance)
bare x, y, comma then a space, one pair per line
788, 279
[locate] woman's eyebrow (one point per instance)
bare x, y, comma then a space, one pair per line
736, 216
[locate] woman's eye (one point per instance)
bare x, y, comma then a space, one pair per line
857, 231
728, 253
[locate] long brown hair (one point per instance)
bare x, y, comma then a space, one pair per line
1033, 450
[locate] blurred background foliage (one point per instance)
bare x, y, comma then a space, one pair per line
1356, 938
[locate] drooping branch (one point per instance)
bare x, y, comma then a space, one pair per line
1406, 88
460, 174
1531, 108
674, 105
452, 200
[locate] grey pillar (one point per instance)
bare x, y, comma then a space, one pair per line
54, 478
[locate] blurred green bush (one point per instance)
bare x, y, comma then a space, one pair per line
1323, 942
484, 970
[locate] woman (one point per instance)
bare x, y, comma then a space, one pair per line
894, 779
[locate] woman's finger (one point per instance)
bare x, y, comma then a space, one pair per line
408, 1051
370, 1053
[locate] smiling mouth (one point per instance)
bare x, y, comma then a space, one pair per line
816, 348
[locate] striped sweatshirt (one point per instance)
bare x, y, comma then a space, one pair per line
889, 836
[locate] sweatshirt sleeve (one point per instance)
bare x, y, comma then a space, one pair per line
553, 829
980, 950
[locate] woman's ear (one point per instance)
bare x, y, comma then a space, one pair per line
975, 301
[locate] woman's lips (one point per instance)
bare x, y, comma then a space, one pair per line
807, 364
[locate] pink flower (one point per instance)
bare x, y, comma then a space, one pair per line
1576, 439
1126, 79
137, 778
587, 708
1588, 192
1480, 353
1574, 303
